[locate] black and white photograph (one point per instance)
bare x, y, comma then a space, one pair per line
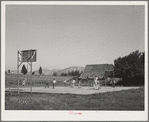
74, 60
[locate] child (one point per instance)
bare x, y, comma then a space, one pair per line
73, 82
99, 85
47, 84
54, 81
79, 84
23, 82
95, 81
113, 83
65, 83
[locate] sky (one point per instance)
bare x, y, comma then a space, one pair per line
66, 36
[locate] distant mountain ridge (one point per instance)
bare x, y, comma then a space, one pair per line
69, 69
46, 71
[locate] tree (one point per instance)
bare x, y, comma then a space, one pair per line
33, 73
40, 71
64, 74
72, 73
24, 70
130, 68
55, 74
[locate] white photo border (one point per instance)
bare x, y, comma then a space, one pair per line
24, 115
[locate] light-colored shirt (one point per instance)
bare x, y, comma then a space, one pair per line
54, 81
108, 79
24, 81
73, 81
96, 79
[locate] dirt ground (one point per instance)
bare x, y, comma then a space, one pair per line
69, 90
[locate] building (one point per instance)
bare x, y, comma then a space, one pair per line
99, 70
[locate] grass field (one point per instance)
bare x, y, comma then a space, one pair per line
11, 81
118, 100
36, 80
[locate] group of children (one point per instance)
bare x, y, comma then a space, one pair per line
113, 83
65, 83
73, 83
47, 83
97, 84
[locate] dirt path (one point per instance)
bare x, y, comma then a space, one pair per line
65, 90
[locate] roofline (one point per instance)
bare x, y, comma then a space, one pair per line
98, 64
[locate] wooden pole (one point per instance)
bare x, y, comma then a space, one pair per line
27, 75
31, 72
31, 77
113, 74
18, 69
106, 77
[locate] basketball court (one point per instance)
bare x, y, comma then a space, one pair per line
69, 90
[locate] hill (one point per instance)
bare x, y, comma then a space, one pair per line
59, 71
46, 71
69, 69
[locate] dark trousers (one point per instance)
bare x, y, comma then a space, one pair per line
113, 84
47, 85
53, 85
